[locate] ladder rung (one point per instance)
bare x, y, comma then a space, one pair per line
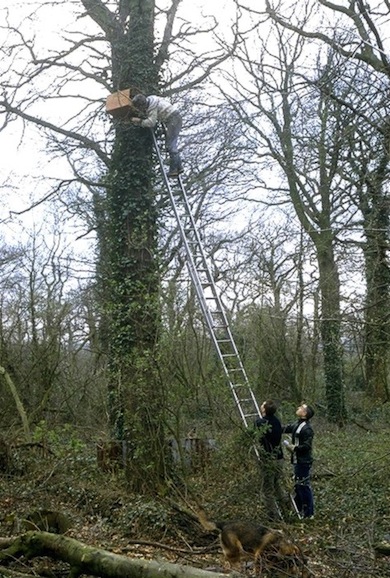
237, 369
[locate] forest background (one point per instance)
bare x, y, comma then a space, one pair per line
286, 151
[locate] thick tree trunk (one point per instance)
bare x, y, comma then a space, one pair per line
376, 212
314, 211
377, 321
84, 559
330, 331
128, 267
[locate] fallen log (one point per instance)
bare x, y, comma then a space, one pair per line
84, 559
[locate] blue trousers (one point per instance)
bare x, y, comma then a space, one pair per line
303, 492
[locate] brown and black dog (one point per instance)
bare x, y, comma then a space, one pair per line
241, 540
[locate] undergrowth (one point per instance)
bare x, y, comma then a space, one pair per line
350, 483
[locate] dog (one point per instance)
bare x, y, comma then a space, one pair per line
242, 540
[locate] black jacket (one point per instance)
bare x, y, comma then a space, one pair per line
271, 439
303, 441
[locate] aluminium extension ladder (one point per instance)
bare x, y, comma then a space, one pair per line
209, 300
213, 310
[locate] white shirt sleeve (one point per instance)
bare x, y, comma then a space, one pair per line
151, 119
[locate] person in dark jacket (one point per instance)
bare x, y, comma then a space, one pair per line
301, 450
156, 108
271, 459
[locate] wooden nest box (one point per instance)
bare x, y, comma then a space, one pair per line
119, 104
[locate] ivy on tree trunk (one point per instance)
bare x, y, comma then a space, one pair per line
376, 213
128, 255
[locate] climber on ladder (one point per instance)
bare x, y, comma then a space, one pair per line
159, 109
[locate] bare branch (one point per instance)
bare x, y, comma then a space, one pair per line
162, 54
362, 50
84, 141
103, 18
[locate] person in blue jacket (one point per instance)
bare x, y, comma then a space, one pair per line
301, 450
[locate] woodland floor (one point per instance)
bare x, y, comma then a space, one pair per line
351, 486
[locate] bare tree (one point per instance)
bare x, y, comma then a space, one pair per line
46, 346
302, 135
358, 36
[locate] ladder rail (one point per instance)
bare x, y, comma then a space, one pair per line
212, 285
189, 245
191, 261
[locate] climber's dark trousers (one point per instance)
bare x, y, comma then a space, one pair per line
173, 127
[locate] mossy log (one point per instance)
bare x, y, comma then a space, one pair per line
84, 559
